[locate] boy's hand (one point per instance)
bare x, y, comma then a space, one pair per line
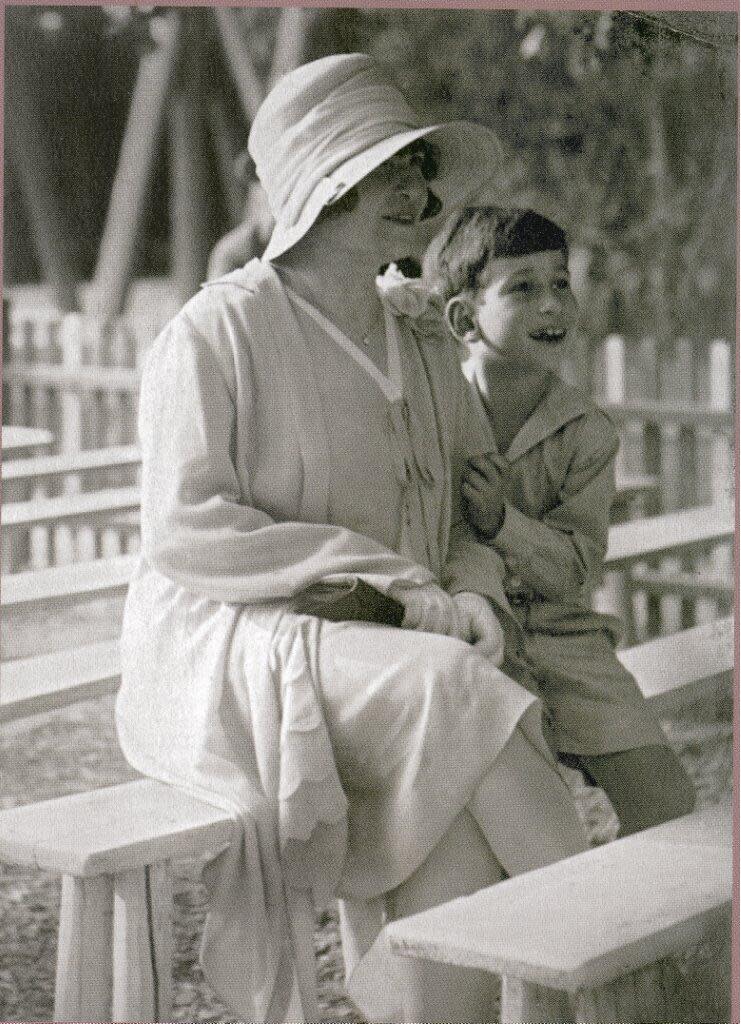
484, 490
482, 627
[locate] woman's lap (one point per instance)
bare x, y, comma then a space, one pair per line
416, 720
388, 694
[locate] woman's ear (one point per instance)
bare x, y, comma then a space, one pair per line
461, 319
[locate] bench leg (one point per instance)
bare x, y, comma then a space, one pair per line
642, 997
160, 896
142, 945
526, 1003
84, 965
300, 906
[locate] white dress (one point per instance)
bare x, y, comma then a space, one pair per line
271, 459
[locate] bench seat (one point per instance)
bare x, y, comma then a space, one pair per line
583, 923
49, 467
629, 542
59, 586
697, 527
88, 508
113, 829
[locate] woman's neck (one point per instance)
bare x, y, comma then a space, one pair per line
344, 290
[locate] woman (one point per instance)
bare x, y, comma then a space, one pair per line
295, 429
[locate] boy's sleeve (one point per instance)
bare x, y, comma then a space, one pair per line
470, 565
557, 555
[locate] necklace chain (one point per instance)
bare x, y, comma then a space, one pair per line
365, 336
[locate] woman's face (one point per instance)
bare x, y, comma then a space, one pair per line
386, 221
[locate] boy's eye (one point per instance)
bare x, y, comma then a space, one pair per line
523, 287
562, 283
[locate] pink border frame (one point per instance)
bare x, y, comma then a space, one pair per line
729, 6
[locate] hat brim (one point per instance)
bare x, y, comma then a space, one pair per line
470, 155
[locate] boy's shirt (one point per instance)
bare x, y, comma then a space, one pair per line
554, 536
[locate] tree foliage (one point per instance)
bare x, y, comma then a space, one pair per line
621, 126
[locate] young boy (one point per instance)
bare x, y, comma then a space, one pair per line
542, 499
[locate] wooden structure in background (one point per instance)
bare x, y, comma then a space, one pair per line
171, 102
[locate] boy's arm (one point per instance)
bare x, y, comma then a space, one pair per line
471, 565
557, 555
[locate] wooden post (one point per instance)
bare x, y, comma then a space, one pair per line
84, 965
721, 398
133, 173
133, 958
229, 21
29, 155
70, 340
190, 184
40, 537
300, 907
524, 1002
615, 596
675, 387
160, 903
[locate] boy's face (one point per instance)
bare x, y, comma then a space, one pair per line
525, 310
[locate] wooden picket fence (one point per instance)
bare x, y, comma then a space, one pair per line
79, 378
674, 407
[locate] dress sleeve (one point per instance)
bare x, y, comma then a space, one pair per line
558, 554
199, 526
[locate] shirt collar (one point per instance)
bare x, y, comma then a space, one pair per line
560, 404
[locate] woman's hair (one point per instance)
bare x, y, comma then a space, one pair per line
429, 163
457, 261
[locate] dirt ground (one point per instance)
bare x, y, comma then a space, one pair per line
76, 749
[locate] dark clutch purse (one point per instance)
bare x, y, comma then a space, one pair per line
357, 601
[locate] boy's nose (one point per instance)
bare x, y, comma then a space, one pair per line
549, 302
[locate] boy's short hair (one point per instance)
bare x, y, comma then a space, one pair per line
476, 235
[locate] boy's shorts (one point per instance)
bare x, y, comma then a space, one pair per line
595, 704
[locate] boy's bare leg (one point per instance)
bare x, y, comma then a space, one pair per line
646, 785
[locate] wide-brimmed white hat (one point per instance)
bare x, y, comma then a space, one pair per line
328, 124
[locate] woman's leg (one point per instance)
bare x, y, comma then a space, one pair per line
645, 785
461, 863
526, 810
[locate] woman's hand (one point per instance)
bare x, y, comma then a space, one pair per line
430, 610
484, 490
483, 629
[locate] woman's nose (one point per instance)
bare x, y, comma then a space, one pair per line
414, 185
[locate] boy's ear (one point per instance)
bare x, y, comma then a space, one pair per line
461, 319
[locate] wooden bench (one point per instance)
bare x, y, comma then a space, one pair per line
586, 940
91, 508
691, 529
113, 846
41, 526
20, 440
44, 468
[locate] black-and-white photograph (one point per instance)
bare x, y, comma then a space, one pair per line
368, 510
